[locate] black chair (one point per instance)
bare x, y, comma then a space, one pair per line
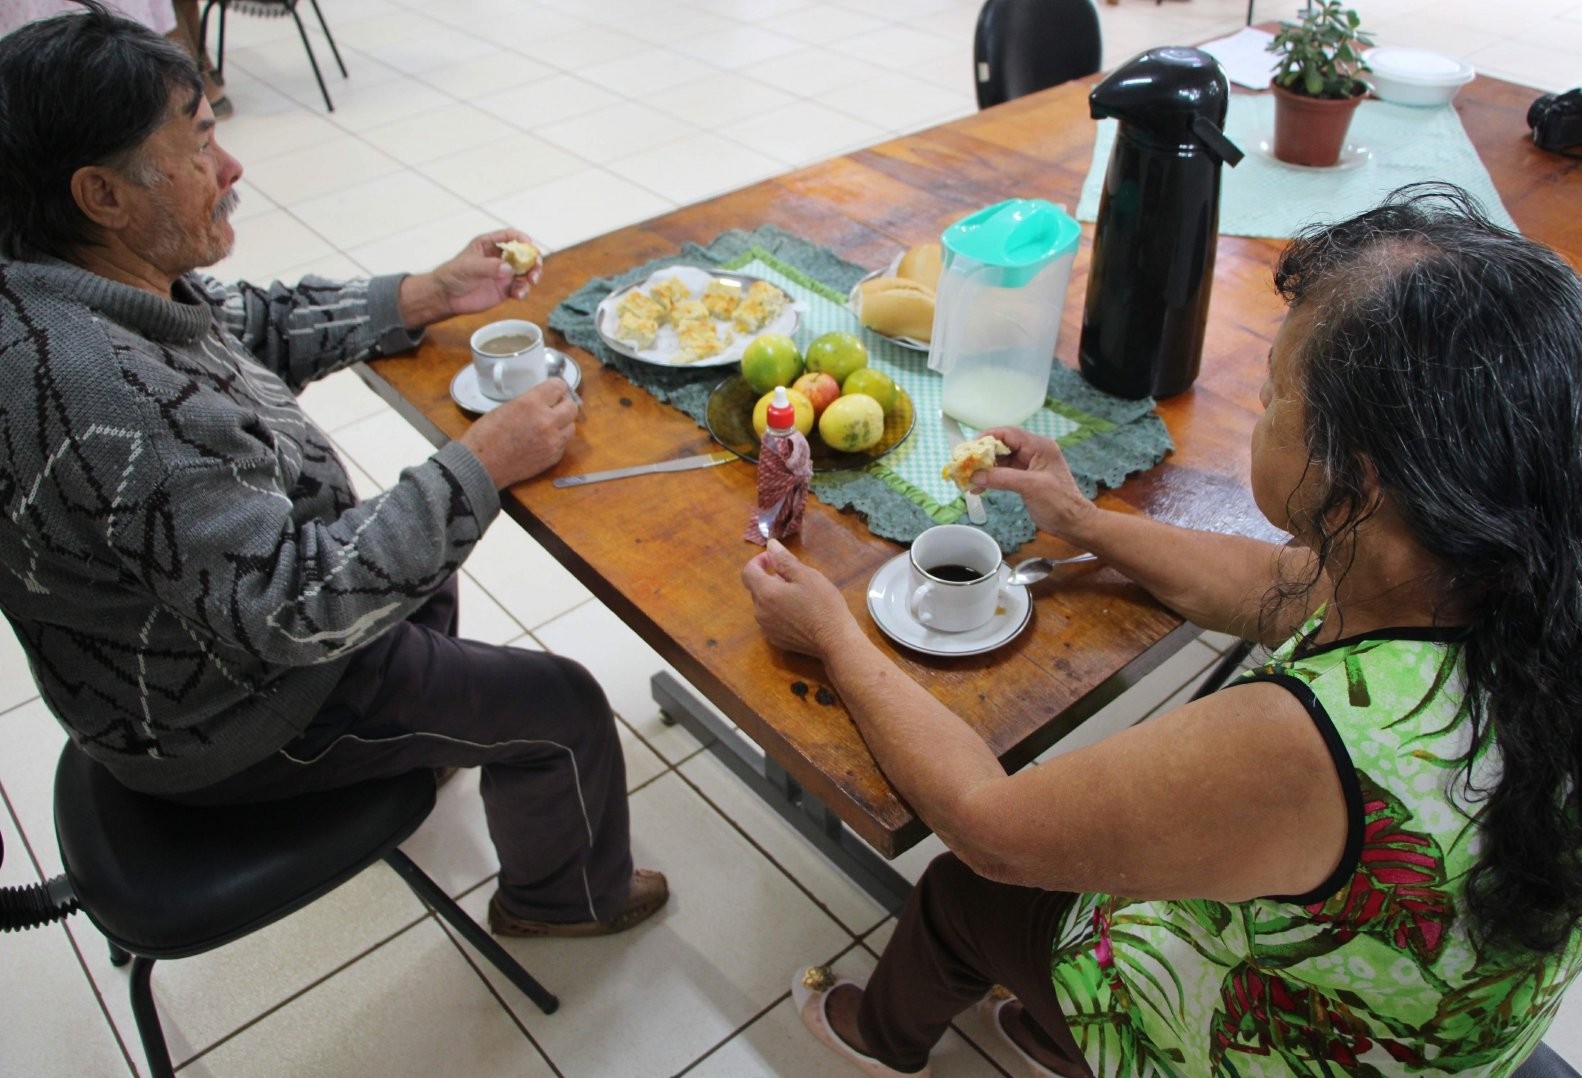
271, 8
162, 880
1545, 1062
1023, 46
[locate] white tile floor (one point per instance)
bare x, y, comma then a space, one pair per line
569, 118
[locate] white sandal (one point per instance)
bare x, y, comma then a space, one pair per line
991, 1005
810, 989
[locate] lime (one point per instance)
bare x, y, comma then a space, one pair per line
875, 383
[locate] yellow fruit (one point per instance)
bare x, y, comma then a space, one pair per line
771, 359
837, 354
875, 383
853, 423
799, 401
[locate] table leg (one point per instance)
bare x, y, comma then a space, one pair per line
810, 816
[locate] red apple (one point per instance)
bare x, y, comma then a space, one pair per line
818, 387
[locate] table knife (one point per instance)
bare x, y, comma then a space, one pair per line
680, 464
975, 511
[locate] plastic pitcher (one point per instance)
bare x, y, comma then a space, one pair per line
997, 312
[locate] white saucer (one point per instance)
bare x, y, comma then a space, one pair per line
465, 392
1352, 156
889, 593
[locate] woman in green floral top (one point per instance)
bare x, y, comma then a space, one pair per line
1364, 858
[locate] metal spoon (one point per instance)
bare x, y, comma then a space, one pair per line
1032, 570
555, 367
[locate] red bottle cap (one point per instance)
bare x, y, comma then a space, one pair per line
781, 413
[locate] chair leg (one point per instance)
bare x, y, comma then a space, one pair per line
302, 32
1224, 669
442, 904
329, 37
148, 1027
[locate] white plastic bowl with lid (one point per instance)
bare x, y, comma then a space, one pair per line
1406, 76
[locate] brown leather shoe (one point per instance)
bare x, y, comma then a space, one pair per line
649, 893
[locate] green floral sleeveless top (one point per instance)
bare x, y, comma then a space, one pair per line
1373, 973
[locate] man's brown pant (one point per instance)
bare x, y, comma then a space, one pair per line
553, 782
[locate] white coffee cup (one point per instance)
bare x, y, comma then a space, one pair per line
957, 576
514, 364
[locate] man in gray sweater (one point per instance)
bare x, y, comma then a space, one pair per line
206, 605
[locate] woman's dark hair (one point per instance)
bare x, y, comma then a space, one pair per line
1444, 362
76, 90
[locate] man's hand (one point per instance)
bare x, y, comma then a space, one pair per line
524, 435
796, 606
1037, 470
475, 280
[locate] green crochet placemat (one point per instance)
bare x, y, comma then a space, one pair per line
1105, 438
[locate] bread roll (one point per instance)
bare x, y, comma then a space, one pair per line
897, 307
921, 263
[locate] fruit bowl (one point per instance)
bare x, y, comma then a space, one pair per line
730, 420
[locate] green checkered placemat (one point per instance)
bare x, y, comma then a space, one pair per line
1105, 438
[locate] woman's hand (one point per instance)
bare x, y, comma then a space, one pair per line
797, 606
1037, 470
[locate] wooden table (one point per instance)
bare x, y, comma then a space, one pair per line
664, 552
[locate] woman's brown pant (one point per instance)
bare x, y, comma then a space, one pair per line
958, 936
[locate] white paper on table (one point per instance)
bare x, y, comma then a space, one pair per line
1245, 56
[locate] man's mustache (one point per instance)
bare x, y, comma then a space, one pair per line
228, 203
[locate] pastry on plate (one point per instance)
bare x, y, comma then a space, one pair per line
637, 329
670, 291
721, 297
640, 306
699, 340
520, 255
974, 456
688, 310
761, 305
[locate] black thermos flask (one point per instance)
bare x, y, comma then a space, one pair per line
1153, 246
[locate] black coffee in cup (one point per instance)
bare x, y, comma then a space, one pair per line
955, 574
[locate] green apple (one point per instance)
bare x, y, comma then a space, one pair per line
837, 354
771, 359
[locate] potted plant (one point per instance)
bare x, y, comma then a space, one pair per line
1316, 88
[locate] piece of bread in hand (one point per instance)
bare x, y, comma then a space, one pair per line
922, 263
520, 255
897, 307
974, 456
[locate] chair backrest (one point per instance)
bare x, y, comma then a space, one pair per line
1023, 46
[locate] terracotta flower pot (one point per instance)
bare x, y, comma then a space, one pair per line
1311, 130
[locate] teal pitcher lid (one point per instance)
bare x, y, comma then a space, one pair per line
1019, 235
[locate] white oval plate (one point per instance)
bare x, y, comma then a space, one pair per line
889, 595
666, 347
465, 392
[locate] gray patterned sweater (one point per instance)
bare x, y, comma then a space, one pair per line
181, 553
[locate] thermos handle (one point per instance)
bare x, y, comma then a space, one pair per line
1220, 147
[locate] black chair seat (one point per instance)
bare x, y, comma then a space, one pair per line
170, 881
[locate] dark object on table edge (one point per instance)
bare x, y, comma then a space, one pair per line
1556, 120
